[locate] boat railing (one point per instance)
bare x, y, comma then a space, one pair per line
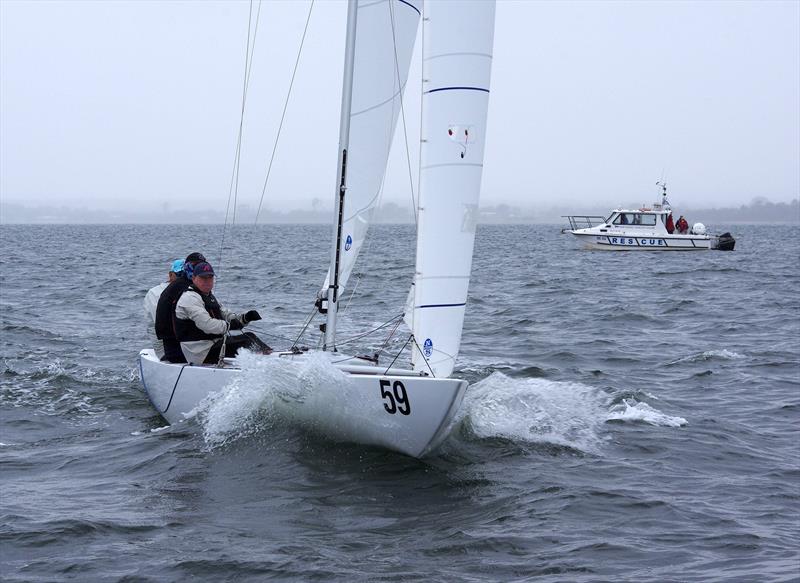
583, 221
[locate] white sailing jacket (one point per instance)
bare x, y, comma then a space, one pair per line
150, 303
190, 307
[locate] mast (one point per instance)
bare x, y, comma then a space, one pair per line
341, 174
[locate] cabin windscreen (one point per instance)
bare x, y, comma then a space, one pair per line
385, 36
457, 60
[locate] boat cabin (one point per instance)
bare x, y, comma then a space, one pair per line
644, 217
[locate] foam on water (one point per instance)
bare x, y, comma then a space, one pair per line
255, 398
536, 410
632, 410
155, 430
722, 354
560, 413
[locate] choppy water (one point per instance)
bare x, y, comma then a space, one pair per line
632, 417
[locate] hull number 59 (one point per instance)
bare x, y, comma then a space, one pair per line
395, 397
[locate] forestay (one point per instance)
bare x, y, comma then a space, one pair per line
457, 55
385, 34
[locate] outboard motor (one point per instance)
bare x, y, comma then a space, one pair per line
725, 242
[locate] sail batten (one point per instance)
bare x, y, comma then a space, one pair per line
457, 89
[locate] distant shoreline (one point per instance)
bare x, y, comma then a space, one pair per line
761, 211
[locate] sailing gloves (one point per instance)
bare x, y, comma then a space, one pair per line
250, 316
244, 319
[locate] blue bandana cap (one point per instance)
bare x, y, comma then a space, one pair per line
191, 260
177, 266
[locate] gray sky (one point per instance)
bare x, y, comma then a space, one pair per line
122, 104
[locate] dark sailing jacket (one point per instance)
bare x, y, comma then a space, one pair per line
165, 310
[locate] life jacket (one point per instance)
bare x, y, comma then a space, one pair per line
165, 309
187, 330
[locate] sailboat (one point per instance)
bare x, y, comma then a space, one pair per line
409, 410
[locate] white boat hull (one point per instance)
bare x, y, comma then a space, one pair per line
407, 413
612, 242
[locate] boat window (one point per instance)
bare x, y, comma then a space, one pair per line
644, 219
648, 220
622, 219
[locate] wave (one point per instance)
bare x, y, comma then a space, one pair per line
17, 328
704, 269
722, 354
154, 430
679, 306
64, 388
536, 411
257, 398
632, 410
556, 413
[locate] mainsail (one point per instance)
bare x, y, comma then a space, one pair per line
384, 43
457, 54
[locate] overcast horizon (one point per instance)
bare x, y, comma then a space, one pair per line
122, 105
759, 210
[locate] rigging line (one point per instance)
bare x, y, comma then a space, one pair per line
278, 336
241, 131
283, 115
346, 359
248, 60
423, 356
365, 257
305, 326
398, 354
368, 332
389, 337
403, 116
353, 291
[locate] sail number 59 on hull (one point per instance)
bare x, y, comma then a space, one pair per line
395, 397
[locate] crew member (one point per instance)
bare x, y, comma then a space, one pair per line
682, 226
165, 310
151, 302
202, 324
670, 224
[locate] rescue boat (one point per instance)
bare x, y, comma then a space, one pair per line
643, 229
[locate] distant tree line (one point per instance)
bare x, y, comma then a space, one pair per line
760, 210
